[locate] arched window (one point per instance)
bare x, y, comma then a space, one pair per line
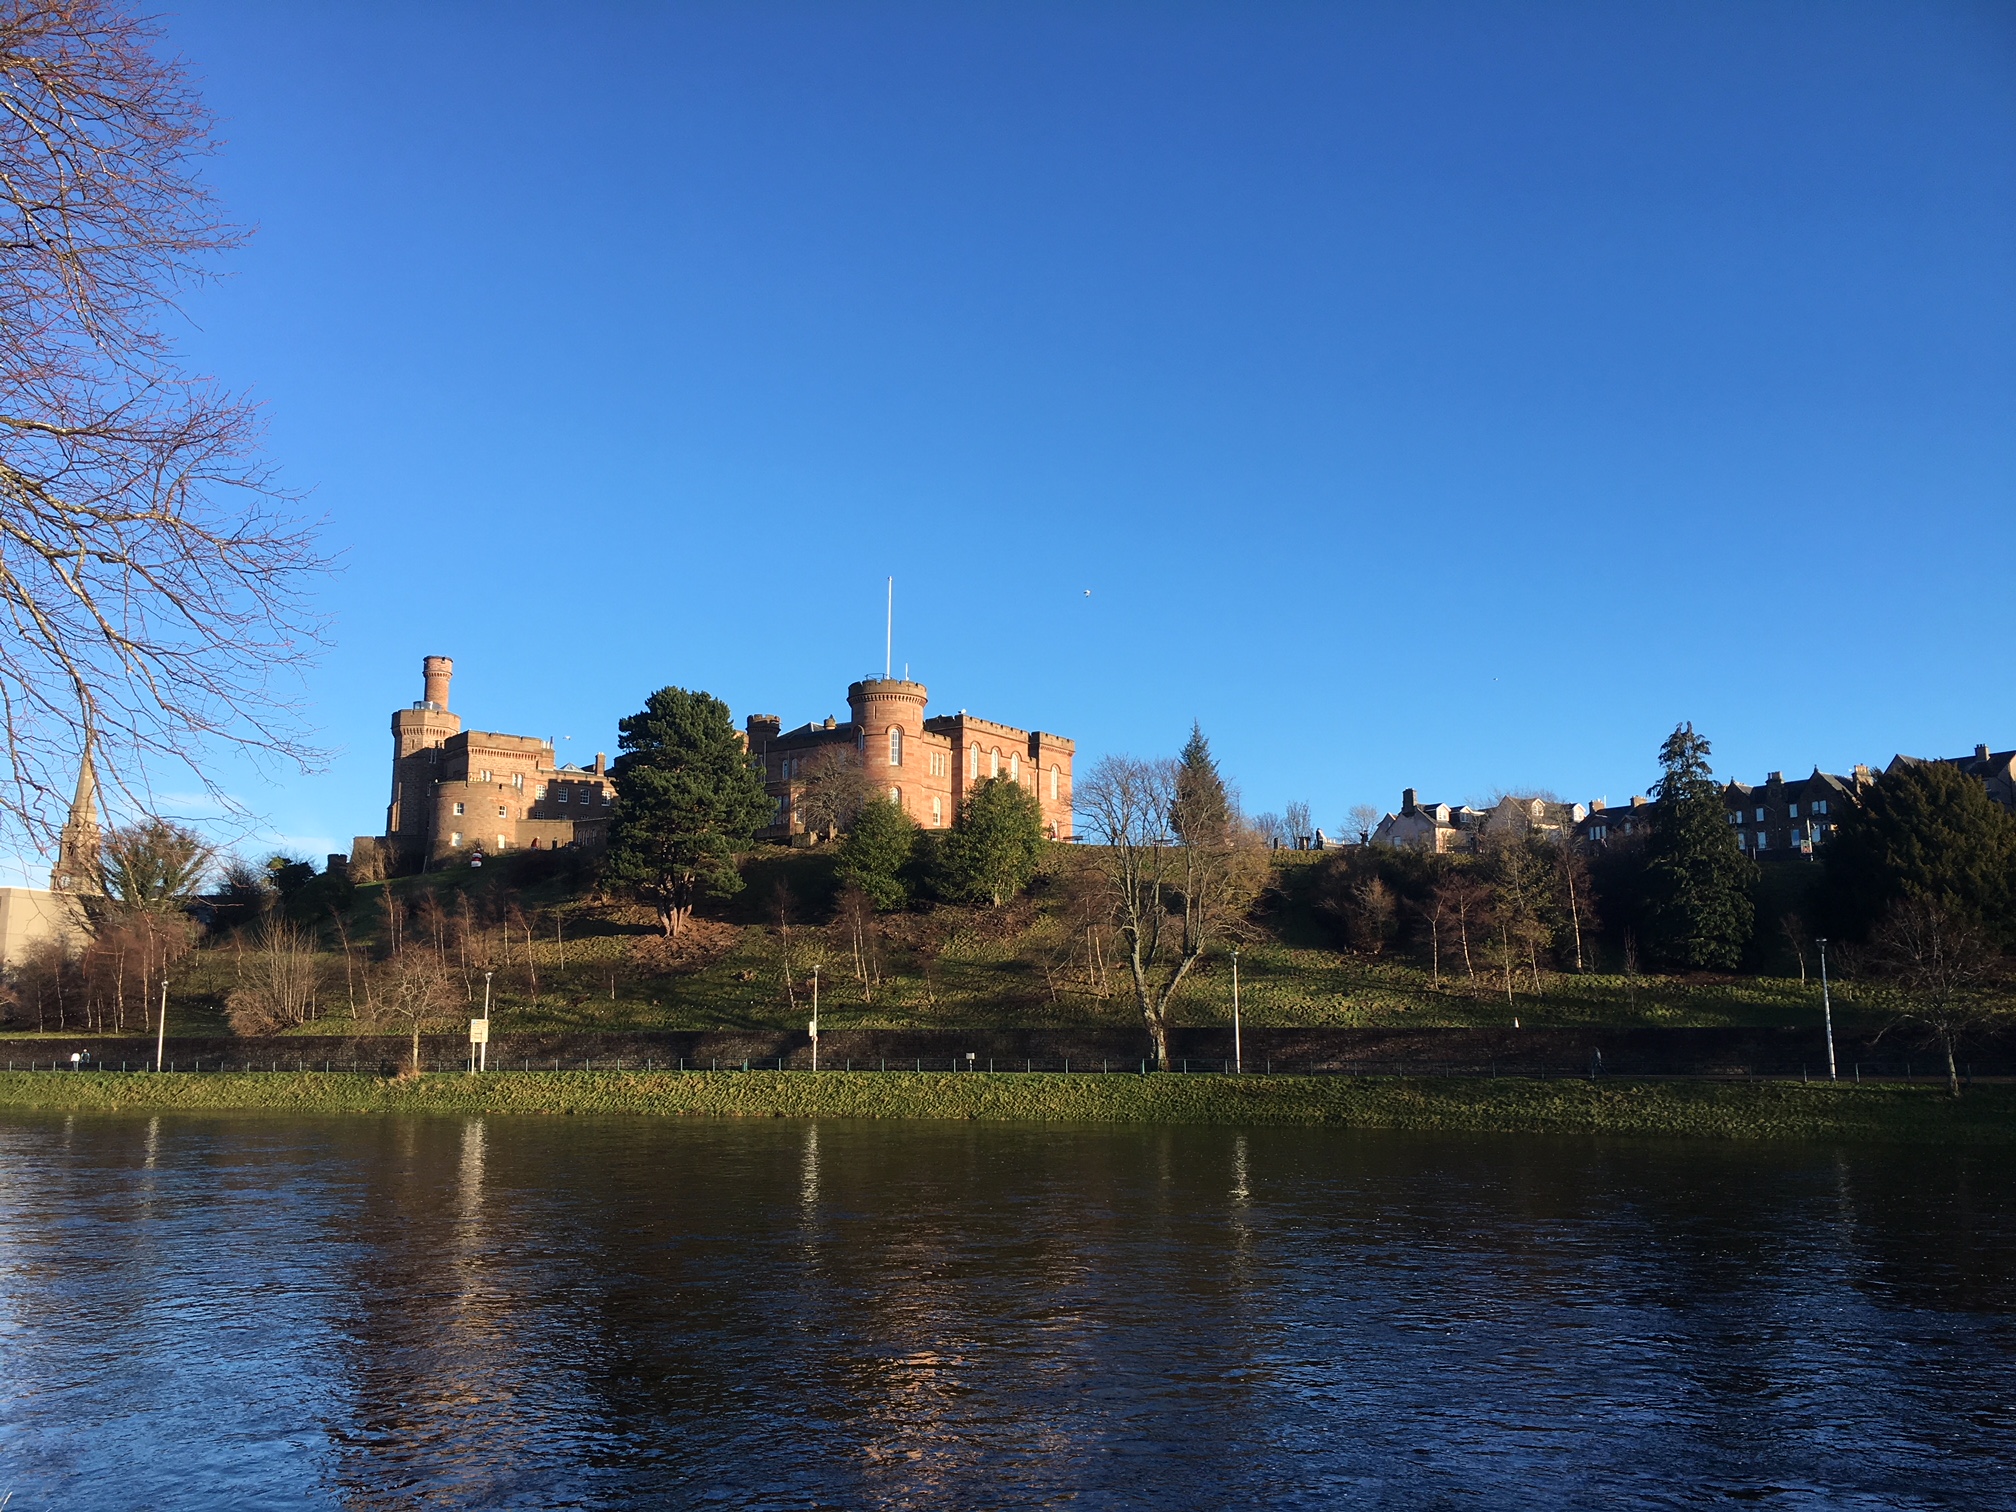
973, 766
896, 796
1015, 766
937, 813
995, 763
895, 745
1055, 777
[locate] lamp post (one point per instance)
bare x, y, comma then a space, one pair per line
1827, 1014
483, 1050
161, 1039
815, 1006
1238, 1058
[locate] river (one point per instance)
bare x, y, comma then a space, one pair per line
366, 1312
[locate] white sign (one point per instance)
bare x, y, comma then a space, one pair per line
479, 1031
814, 1027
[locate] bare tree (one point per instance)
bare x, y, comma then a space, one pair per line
414, 992
1571, 875
1938, 970
854, 918
1794, 929
151, 586
1467, 901
1173, 895
830, 789
277, 980
1361, 821
1296, 817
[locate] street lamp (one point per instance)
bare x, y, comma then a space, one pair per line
815, 1018
483, 1049
1238, 1058
1827, 1014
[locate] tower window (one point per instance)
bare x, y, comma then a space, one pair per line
937, 813
994, 766
460, 809
1015, 766
895, 745
896, 796
500, 811
1055, 778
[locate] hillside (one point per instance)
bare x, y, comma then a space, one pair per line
564, 958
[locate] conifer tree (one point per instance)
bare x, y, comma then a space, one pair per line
877, 851
994, 845
1697, 878
688, 798
1929, 833
1202, 809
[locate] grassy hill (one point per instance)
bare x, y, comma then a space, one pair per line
563, 957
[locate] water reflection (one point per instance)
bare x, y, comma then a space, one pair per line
589, 1313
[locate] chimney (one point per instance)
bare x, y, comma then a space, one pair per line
1774, 779
601, 764
435, 671
1406, 800
1980, 753
1637, 800
829, 721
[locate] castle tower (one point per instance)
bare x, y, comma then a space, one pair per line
889, 713
418, 734
76, 868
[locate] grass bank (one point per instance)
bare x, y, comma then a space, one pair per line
1714, 1110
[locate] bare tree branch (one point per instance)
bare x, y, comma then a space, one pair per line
152, 584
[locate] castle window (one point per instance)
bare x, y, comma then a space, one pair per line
1055, 777
895, 745
973, 766
500, 811
483, 776
937, 812
1015, 767
896, 796
455, 837
459, 810
518, 781
995, 763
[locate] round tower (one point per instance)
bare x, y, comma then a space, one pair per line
889, 713
435, 673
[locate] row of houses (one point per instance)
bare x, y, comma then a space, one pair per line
1773, 820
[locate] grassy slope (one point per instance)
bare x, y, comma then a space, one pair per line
1011, 969
1770, 1110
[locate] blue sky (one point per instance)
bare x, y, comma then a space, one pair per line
1442, 396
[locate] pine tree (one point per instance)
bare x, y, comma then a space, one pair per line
1202, 809
993, 847
688, 798
1697, 878
877, 851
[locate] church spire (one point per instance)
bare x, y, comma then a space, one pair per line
77, 850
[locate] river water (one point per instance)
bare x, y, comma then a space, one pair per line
570, 1312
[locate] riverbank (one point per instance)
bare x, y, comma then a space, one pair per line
1702, 1109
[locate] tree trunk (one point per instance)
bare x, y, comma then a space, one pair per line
1952, 1071
1158, 1032
1434, 954
416, 1047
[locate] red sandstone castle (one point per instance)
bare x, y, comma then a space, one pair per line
455, 791
925, 766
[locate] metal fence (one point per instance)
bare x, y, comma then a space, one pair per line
1855, 1072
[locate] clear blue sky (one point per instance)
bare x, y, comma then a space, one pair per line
1444, 396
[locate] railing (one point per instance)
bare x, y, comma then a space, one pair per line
1854, 1073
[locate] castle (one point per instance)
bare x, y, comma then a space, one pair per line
457, 791
924, 766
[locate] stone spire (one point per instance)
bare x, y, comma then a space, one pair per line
77, 850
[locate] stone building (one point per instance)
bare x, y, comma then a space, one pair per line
456, 791
1775, 820
1442, 829
924, 765
1996, 770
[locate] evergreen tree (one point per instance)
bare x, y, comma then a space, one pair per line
1923, 833
875, 856
1697, 879
994, 845
688, 798
1202, 808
